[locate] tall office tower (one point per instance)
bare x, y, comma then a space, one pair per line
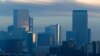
89, 36
43, 39
55, 31
80, 27
21, 18
43, 44
30, 24
29, 41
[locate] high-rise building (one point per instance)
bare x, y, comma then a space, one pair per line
69, 35
89, 36
43, 39
18, 33
88, 48
29, 41
43, 44
30, 24
69, 48
55, 31
80, 27
97, 47
16, 46
21, 18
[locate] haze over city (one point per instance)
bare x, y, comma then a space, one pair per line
49, 28
47, 12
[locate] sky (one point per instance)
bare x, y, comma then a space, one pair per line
48, 12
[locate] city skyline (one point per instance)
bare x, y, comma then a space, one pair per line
60, 11
49, 42
49, 28
41, 29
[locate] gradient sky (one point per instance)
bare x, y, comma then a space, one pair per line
46, 12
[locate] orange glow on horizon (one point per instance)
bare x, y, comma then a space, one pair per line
89, 2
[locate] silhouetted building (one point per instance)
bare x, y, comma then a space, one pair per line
19, 33
31, 25
97, 47
94, 47
29, 42
68, 48
55, 51
16, 46
55, 31
89, 36
43, 39
80, 27
88, 49
43, 44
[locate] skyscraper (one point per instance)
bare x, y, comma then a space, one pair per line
29, 41
89, 36
55, 31
80, 26
43, 44
43, 39
31, 24
21, 18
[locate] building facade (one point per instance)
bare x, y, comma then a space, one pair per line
21, 18
55, 31
80, 26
